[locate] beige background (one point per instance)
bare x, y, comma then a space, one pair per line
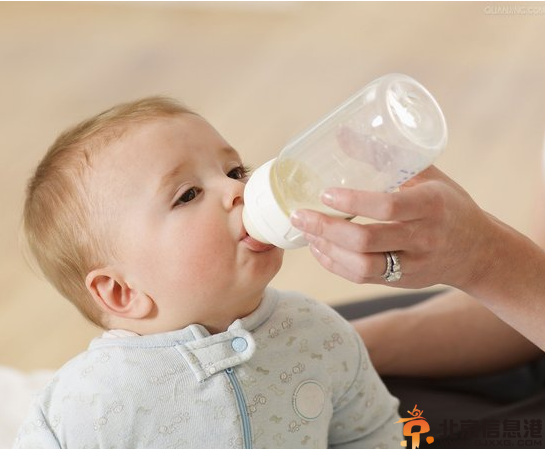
260, 73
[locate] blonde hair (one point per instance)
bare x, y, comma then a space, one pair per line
57, 219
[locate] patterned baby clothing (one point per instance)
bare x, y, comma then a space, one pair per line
292, 374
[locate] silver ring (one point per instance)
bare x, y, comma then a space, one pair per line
393, 267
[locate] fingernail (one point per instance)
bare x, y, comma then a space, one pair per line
315, 250
328, 198
297, 219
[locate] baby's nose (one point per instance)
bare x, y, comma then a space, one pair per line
234, 195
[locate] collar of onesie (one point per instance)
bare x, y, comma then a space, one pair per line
206, 354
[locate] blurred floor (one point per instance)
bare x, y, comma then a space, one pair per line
260, 72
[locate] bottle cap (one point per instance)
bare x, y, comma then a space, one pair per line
263, 217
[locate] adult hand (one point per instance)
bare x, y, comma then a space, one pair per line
438, 232
441, 237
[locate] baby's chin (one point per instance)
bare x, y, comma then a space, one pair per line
277, 259
263, 274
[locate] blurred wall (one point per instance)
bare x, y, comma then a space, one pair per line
261, 73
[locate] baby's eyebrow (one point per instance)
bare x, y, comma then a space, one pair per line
230, 151
170, 176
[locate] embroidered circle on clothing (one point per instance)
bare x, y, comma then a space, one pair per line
309, 400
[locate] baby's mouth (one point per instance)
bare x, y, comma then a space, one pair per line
255, 245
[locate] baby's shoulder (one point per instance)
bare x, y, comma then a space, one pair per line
90, 378
301, 306
84, 369
305, 334
305, 315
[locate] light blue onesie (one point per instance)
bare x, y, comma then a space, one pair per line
293, 374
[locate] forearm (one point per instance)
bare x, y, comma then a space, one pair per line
511, 282
447, 335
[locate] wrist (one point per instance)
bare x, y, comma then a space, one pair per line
482, 259
503, 260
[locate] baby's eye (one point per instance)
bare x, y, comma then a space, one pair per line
188, 195
240, 172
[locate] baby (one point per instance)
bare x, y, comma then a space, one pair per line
135, 216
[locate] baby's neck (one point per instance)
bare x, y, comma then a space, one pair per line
119, 333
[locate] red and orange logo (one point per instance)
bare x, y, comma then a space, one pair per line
415, 426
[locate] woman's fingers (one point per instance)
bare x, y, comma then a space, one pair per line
432, 222
405, 205
362, 238
367, 268
356, 267
416, 199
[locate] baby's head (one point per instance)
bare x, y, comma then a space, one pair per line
135, 216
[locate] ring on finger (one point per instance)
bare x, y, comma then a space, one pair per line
393, 271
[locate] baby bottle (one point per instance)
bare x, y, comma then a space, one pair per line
376, 140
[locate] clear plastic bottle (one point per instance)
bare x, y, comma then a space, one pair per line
376, 140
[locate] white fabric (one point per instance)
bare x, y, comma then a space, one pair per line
17, 390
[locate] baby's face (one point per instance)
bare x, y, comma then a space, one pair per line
177, 188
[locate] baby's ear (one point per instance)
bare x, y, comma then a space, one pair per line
115, 296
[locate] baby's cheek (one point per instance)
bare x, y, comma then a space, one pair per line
209, 249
